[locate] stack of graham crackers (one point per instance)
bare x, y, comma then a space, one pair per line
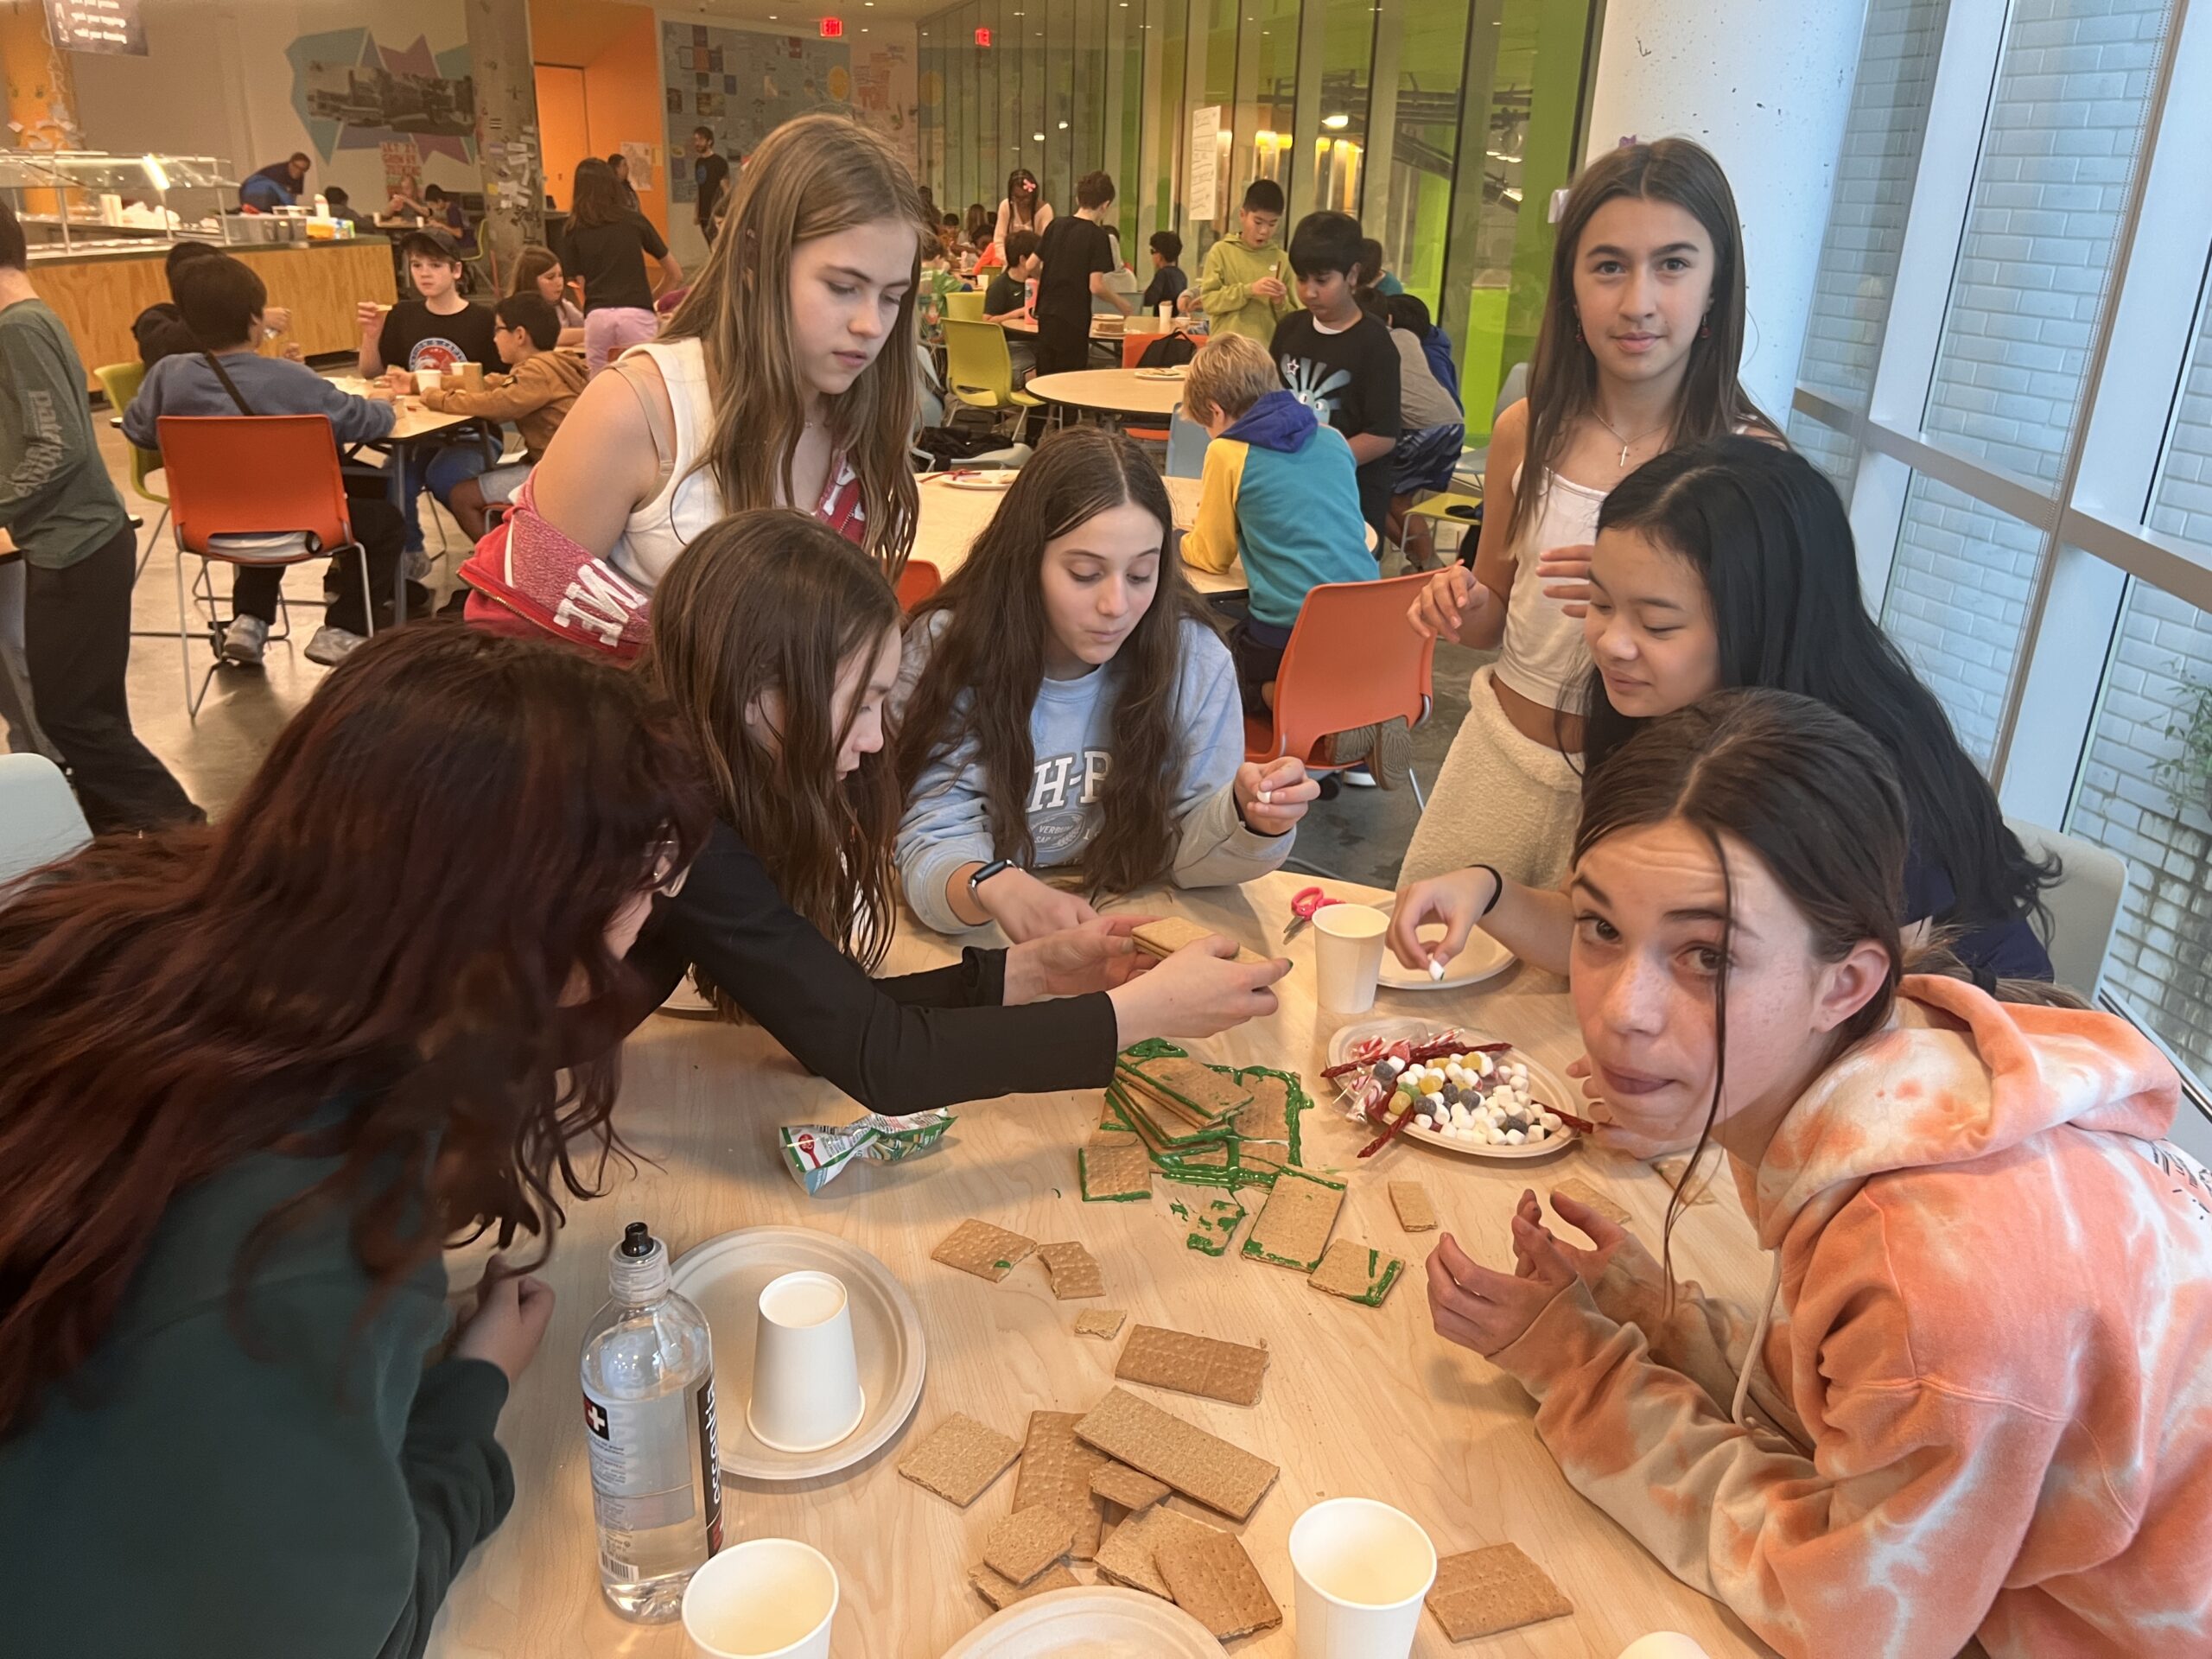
1211, 1125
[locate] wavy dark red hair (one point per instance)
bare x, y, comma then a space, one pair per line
392, 952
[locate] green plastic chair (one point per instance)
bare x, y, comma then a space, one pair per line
120, 382
964, 307
978, 368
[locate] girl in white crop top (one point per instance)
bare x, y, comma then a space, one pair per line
1638, 352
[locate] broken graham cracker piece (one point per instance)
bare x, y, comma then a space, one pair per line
1003, 1593
1673, 1171
1074, 1269
1213, 1370
1055, 1473
987, 1252
1482, 1591
1116, 1174
1025, 1543
1132, 1488
1294, 1227
960, 1459
1202, 1466
1214, 1580
1582, 1192
1128, 1555
1099, 1322
1415, 1213
1357, 1273
1267, 1116
1170, 933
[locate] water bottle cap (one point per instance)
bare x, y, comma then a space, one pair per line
638, 1267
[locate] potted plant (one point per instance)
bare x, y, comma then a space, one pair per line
2188, 776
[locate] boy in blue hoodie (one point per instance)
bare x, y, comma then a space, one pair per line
1281, 491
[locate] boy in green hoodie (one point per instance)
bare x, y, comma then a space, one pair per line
1241, 284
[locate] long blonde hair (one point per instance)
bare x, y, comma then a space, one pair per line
812, 177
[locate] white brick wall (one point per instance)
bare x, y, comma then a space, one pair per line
2048, 191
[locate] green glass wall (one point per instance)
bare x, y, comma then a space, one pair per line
1446, 125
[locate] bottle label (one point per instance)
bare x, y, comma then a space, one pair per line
646, 1457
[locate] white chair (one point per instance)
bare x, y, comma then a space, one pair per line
1186, 446
39, 820
2084, 906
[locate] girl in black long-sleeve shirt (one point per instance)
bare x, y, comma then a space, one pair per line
778, 641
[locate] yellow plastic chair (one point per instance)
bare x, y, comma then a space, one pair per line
978, 369
1452, 507
121, 381
966, 307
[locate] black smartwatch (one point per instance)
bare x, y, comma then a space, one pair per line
987, 873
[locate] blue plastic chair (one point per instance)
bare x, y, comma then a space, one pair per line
1186, 446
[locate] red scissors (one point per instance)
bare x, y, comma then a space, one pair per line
1303, 904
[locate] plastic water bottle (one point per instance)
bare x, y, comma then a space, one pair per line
649, 1426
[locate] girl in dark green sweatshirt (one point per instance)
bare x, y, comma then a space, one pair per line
252, 1080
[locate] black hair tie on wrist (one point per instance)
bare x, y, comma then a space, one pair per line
1497, 888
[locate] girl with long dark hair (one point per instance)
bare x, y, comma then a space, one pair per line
537, 270
779, 643
1637, 353
1730, 564
1064, 703
606, 247
253, 1081
1972, 1403
1022, 208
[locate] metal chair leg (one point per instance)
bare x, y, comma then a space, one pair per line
1414, 778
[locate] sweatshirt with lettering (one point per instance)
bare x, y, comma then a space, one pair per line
1071, 731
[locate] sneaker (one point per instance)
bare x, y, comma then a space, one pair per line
332, 646
1391, 759
244, 640
418, 565
1359, 777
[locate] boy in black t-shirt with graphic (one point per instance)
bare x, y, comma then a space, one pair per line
1006, 299
1339, 361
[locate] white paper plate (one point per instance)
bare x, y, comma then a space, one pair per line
725, 1277
1091, 1622
1484, 959
1545, 1087
1000, 480
1173, 373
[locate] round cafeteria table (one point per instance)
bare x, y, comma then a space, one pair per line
1358, 1401
1111, 391
953, 517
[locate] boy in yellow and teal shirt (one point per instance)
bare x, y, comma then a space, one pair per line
1243, 285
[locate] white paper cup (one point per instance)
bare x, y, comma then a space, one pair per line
766, 1598
1347, 954
1664, 1644
1362, 1570
806, 1376
427, 379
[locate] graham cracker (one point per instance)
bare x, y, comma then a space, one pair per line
1271, 1113
1582, 1192
1672, 1170
1167, 1111
1415, 1213
1025, 1543
1482, 1591
1294, 1227
1191, 1364
1074, 1269
1214, 1092
1357, 1273
987, 1252
1003, 1593
1055, 1474
1128, 1555
960, 1459
1201, 1466
1158, 1127
1170, 933
1118, 1174
1119, 1484
1106, 1138
1099, 1322
1214, 1580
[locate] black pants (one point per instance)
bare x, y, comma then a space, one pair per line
1257, 648
77, 642
379, 529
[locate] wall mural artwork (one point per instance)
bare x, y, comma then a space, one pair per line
353, 94
743, 84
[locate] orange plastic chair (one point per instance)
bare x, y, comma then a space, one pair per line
916, 582
256, 489
1351, 662
1134, 347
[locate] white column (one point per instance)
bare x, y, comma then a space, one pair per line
1765, 85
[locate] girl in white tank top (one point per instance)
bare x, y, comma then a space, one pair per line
1638, 351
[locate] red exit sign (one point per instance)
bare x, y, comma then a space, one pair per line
832, 28
982, 37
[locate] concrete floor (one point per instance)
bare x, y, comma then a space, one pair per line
1360, 835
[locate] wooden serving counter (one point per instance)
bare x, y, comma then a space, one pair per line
98, 295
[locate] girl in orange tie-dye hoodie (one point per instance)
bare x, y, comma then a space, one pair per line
1976, 1398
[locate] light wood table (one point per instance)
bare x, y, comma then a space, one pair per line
1359, 1400
410, 419
1111, 391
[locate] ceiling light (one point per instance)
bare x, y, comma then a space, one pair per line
1036, 137
1063, 126
1336, 123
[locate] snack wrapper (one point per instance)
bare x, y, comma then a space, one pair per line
816, 1153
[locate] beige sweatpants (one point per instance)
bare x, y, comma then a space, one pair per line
1501, 800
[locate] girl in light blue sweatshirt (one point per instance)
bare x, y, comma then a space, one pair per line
1063, 701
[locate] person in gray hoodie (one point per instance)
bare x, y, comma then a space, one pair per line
222, 302
1064, 703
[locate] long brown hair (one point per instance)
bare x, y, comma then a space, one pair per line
773, 602
370, 960
598, 198
532, 263
1563, 375
986, 661
812, 177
